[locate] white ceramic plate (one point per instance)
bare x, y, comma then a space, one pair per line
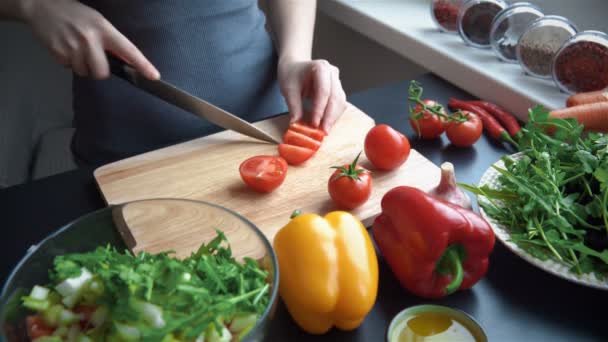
490, 178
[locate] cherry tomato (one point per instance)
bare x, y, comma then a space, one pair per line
85, 312
386, 148
465, 134
299, 139
295, 155
263, 173
36, 327
350, 186
429, 125
307, 130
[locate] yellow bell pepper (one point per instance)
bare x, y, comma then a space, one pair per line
328, 271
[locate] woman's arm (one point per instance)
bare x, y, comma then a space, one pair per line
77, 35
292, 24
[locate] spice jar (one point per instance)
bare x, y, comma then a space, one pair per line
475, 21
540, 42
508, 26
581, 64
445, 14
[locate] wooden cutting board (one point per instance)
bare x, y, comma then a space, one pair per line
207, 169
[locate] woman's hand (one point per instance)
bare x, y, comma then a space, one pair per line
315, 79
78, 37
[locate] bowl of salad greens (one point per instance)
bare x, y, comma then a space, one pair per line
83, 284
548, 203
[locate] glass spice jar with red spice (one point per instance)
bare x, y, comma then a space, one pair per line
581, 64
445, 14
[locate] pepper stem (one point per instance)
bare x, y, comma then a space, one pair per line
451, 263
507, 138
295, 213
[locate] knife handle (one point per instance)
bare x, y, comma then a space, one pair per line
121, 69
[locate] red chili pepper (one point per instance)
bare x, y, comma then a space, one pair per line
489, 122
432, 246
506, 118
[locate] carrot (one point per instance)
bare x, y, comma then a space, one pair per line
594, 116
506, 118
588, 97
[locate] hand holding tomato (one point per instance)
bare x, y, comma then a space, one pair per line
465, 133
350, 185
386, 148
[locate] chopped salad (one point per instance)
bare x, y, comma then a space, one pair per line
107, 295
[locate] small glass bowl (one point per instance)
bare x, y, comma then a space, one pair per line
581, 64
475, 21
445, 14
392, 334
540, 42
508, 26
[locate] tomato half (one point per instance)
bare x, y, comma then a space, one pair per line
350, 186
386, 148
263, 173
295, 155
36, 327
429, 125
465, 134
299, 139
307, 130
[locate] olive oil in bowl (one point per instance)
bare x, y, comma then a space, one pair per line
426, 323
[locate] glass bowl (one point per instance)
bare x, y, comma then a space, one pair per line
195, 221
508, 26
460, 318
581, 64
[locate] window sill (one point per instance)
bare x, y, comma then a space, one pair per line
406, 27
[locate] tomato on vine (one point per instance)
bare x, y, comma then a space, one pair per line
425, 123
429, 119
465, 133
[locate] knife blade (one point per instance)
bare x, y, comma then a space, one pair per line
187, 101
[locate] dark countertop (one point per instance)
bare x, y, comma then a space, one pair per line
515, 301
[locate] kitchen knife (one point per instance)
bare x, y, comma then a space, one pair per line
187, 102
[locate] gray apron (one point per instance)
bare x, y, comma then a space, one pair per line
218, 50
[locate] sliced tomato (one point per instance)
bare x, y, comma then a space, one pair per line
295, 155
299, 139
307, 130
263, 173
36, 327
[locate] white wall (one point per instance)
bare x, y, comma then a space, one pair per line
363, 63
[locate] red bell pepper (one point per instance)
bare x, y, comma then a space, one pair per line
432, 246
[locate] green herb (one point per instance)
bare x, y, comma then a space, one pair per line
554, 199
207, 289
